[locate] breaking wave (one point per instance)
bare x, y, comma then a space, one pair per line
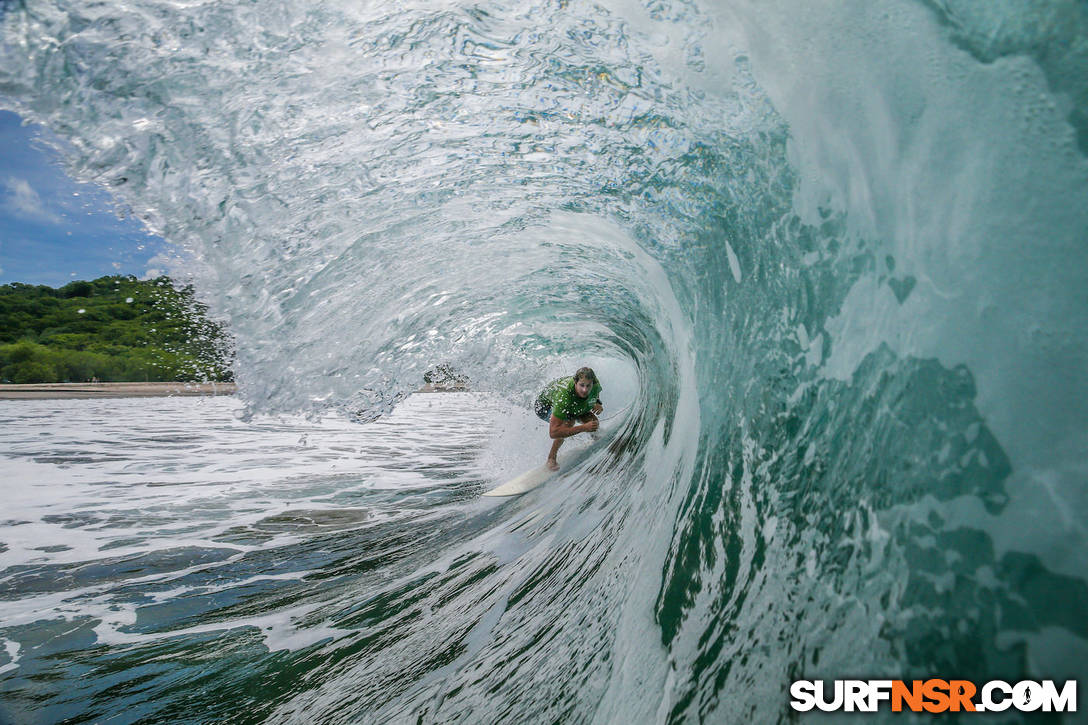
828, 258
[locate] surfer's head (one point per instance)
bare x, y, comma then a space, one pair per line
584, 380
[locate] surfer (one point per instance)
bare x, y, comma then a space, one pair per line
565, 401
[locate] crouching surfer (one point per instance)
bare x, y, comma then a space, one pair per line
565, 401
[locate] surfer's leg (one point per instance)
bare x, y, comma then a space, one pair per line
552, 464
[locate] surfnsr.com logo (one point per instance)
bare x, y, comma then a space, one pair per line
933, 695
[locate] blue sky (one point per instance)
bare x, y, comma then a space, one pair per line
53, 230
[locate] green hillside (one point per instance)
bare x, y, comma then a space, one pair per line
115, 329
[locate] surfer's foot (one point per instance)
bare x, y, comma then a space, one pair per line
552, 465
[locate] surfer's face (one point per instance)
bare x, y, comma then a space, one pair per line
582, 387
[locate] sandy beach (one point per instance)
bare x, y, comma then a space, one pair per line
112, 390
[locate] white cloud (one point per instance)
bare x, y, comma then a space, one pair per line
162, 263
22, 200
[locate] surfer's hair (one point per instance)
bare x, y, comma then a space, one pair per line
585, 373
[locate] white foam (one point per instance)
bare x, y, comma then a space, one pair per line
159, 476
12, 649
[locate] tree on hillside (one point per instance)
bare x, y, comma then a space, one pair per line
114, 328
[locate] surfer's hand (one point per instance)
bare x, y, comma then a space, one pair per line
597, 408
590, 425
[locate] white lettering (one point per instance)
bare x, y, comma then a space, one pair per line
996, 705
823, 704
1027, 696
1064, 701
995, 695
855, 695
804, 695
879, 690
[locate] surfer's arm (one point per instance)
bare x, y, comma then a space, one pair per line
559, 428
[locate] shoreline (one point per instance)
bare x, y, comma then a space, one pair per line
39, 391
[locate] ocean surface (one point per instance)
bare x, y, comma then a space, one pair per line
828, 258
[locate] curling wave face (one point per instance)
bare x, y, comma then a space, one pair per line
837, 248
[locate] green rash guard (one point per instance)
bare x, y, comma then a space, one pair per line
565, 403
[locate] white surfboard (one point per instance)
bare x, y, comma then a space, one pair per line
523, 483
571, 455
539, 475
